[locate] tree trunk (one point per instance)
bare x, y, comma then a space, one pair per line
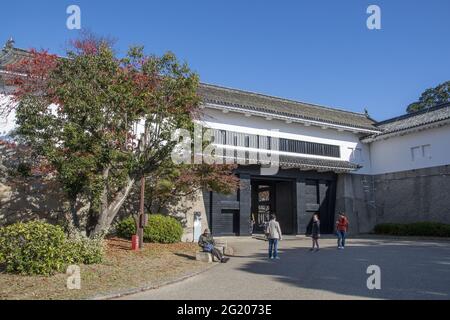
76, 217
109, 211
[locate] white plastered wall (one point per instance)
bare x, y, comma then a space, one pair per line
238, 122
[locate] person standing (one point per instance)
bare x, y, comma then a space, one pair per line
252, 223
274, 235
315, 233
341, 230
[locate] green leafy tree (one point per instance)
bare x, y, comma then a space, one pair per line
81, 114
431, 97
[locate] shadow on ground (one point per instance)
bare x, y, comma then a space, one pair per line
186, 256
409, 270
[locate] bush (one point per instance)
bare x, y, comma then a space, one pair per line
428, 229
38, 248
33, 248
160, 229
163, 229
84, 250
126, 228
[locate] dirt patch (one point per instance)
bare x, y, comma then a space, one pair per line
122, 269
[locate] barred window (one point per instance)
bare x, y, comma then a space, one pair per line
268, 143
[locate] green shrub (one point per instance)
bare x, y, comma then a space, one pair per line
160, 229
126, 228
429, 229
2, 258
33, 248
163, 229
38, 248
85, 250
388, 228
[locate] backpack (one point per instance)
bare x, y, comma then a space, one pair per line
266, 229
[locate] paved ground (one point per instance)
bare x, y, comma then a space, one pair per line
409, 270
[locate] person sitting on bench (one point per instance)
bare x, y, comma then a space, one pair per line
206, 241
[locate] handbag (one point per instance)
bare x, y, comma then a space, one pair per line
208, 247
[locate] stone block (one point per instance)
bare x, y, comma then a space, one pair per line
221, 243
228, 251
204, 257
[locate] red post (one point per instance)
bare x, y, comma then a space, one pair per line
141, 214
134, 243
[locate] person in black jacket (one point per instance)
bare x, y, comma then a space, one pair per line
206, 241
315, 232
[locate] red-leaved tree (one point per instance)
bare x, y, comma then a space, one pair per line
103, 122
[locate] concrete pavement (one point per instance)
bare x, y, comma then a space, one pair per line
409, 270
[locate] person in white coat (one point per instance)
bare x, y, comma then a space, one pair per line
273, 232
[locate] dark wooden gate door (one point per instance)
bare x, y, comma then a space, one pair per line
284, 206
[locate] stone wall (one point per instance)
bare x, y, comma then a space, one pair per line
416, 195
185, 210
354, 196
400, 197
25, 197
30, 199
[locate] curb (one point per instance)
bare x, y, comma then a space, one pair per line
128, 292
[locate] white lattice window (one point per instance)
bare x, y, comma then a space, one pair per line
421, 152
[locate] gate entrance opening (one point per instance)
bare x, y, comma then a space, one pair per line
273, 197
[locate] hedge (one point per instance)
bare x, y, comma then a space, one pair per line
85, 250
38, 248
428, 229
163, 229
126, 228
160, 229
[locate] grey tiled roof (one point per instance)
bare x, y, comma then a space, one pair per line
304, 163
258, 102
10, 56
413, 120
315, 163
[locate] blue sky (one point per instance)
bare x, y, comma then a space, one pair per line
314, 51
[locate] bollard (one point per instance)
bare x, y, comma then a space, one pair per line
134, 242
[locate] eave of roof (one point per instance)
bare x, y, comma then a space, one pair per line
264, 105
317, 164
10, 56
424, 119
298, 162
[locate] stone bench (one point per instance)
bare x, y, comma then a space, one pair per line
228, 251
205, 257
223, 246
221, 243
